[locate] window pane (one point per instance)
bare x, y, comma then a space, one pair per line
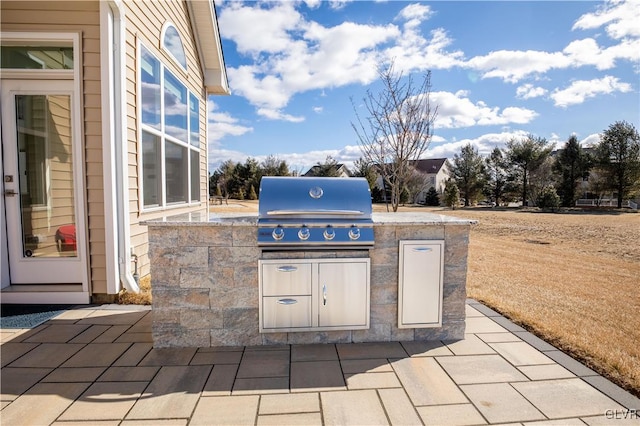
175, 107
176, 169
150, 74
195, 175
151, 171
173, 44
194, 120
37, 57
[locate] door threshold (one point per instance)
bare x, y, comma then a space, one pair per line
45, 293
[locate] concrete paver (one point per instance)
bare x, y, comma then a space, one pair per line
455, 414
316, 375
521, 353
290, 403
501, 403
398, 407
105, 401
290, 419
480, 369
470, 345
172, 393
359, 407
566, 398
96, 366
232, 410
426, 382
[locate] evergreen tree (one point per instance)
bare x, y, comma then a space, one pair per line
432, 198
525, 156
252, 193
496, 168
618, 158
451, 194
571, 165
468, 170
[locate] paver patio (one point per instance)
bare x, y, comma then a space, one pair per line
96, 365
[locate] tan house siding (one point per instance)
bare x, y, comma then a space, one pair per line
82, 17
145, 21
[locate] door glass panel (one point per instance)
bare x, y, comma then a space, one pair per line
45, 171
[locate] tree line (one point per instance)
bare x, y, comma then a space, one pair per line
528, 170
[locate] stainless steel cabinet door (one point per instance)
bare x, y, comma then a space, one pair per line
420, 283
343, 294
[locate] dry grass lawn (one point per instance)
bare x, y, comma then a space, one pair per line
571, 278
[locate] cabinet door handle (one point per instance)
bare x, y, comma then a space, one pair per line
287, 301
287, 268
422, 249
324, 294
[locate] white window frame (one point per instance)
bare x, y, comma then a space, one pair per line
163, 33
164, 138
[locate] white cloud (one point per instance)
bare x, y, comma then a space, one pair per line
528, 91
290, 55
620, 19
456, 110
514, 65
591, 140
581, 90
274, 114
484, 143
318, 109
222, 124
257, 29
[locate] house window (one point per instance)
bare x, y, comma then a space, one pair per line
172, 43
170, 136
37, 57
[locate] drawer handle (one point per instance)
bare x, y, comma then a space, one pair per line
287, 301
287, 269
421, 249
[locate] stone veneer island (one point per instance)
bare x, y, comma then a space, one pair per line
204, 274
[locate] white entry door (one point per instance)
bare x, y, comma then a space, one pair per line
42, 183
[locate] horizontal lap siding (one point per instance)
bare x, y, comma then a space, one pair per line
83, 17
144, 22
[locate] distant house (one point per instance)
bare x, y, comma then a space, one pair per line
435, 173
104, 126
339, 170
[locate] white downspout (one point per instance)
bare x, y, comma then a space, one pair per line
122, 152
118, 149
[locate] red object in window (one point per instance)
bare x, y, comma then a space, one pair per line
66, 238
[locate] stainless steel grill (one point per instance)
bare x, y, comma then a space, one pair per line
306, 212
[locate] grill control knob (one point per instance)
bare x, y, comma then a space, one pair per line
329, 233
354, 232
304, 233
278, 233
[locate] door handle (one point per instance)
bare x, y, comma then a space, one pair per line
422, 249
324, 295
9, 193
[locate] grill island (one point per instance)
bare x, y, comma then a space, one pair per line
293, 274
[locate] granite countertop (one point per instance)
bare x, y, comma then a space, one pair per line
244, 219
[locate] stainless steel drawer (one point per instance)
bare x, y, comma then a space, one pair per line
286, 312
286, 278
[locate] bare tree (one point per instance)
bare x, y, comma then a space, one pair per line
398, 128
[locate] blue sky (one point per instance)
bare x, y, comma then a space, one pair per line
500, 70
